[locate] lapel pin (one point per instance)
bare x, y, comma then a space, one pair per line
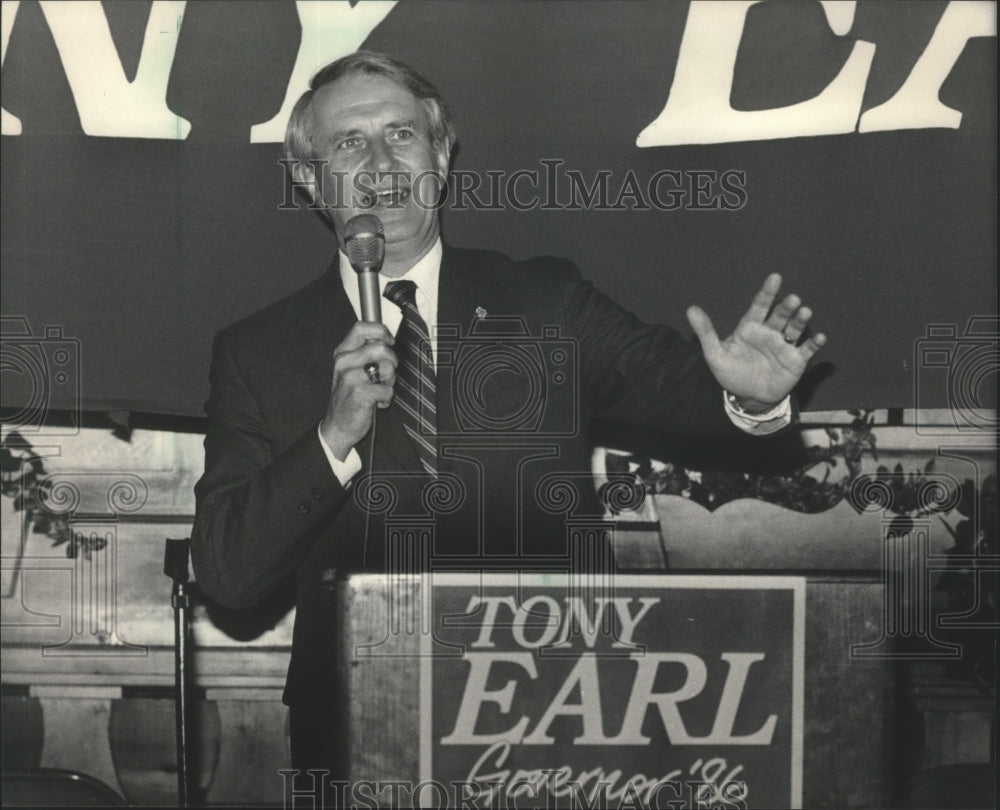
480, 313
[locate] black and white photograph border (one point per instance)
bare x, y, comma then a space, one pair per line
678, 153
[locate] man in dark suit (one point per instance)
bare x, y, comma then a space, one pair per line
315, 452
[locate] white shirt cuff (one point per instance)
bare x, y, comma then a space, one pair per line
344, 470
760, 424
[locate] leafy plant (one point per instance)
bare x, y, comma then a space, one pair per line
806, 488
24, 478
966, 590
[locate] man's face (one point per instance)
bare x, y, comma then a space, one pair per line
375, 138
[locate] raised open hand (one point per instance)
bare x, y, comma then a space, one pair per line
763, 359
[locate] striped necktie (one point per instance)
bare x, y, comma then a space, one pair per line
415, 387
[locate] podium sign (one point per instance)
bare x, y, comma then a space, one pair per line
652, 691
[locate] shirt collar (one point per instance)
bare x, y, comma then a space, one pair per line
425, 274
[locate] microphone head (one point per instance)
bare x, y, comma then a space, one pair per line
364, 240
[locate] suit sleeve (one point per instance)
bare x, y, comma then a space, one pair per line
640, 374
258, 511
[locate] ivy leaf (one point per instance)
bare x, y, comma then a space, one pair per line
9, 462
967, 499
615, 463
15, 439
700, 495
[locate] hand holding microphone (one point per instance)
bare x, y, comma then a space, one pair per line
364, 366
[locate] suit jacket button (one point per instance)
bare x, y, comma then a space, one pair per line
317, 494
304, 508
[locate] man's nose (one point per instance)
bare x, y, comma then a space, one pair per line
380, 157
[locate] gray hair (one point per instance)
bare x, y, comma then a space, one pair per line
298, 135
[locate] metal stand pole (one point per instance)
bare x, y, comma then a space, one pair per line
175, 566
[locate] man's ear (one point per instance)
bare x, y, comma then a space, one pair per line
304, 178
443, 157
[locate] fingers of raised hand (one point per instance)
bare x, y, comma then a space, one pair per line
796, 324
783, 313
812, 345
764, 298
702, 326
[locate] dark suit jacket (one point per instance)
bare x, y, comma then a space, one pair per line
516, 393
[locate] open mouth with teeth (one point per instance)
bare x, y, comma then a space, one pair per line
387, 198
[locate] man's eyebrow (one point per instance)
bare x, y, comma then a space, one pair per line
355, 131
344, 133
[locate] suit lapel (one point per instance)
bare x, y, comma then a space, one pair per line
459, 293
458, 287
332, 321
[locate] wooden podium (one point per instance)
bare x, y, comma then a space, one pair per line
772, 683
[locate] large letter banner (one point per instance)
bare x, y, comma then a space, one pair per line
653, 691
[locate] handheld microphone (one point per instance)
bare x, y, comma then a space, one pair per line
365, 243
364, 240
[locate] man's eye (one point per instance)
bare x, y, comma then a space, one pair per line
403, 135
349, 143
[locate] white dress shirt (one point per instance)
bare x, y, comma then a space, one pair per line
425, 274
